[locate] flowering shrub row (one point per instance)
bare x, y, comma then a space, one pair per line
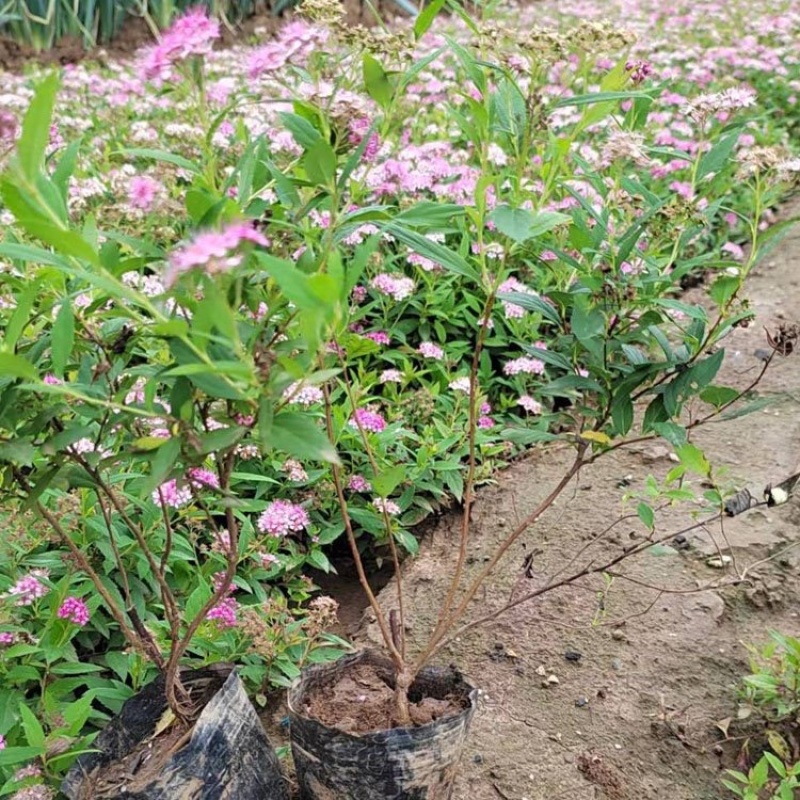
226, 270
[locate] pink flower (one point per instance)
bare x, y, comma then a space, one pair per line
358, 483
485, 422
282, 517
391, 376
2, 742
51, 380
294, 470
683, 188
524, 365
213, 251
398, 288
386, 506
301, 395
224, 613
74, 610
268, 560
461, 384
7, 638
171, 495
269, 58
431, 350
142, 192
379, 337
192, 34
367, 420
199, 477
733, 250
28, 589
529, 404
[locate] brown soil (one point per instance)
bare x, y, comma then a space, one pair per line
361, 701
635, 716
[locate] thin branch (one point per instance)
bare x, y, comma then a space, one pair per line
387, 523
435, 642
351, 540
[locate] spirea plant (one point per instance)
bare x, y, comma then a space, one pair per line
257, 300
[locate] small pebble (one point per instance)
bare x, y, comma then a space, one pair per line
718, 562
540, 670
553, 680
617, 634
477, 759
573, 655
616, 665
581, 702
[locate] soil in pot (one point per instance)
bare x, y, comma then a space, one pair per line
146, 754
345, 744
361, 700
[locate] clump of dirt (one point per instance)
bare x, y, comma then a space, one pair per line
362, 701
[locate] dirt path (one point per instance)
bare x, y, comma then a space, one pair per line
635, 717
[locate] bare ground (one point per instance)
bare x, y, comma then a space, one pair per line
635, 717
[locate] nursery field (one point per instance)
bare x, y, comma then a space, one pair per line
524, 274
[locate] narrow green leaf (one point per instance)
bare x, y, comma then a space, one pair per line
449, 259
62, 337
693, 459
35, 134
646, 515
320, 163
426, 17
386, 482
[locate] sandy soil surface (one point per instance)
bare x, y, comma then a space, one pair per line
636, 716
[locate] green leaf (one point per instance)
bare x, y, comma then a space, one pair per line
521, 225
154, 154
161, 465
298, 435
18, 451
16, 755
430, 214
34, 732
386, 482
715, 158
377, 82
588, 324
426, 17
719, 396
320, 163
21, 316
622, 414
693, 459
35, 134
14, 366
442, 255
319, 560
304, 133
407, 540
62, 337
532, 302
724, 288
292, 282
646, 515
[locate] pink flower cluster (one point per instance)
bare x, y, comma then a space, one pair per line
524, 366
294, 43
529, 404
358, 483
302, 395
391, 376
193, 34
143, 192
294, 470
398, 288
282, 517
173, 494
370, 421
213, 251
386, 506
224, 613
74, 610
29, 589
431, 350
